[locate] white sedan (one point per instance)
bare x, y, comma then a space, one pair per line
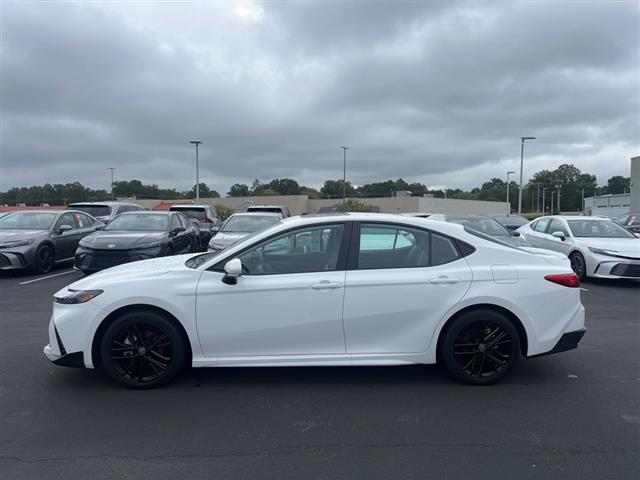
596, 246
356, 289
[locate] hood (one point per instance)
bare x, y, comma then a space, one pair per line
122, 240
133, 271
226, 239
10, 236
628, 247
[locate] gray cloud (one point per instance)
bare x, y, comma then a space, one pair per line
438, 92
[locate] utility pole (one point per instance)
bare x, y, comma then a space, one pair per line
544, 190
558, 187
538, 198
508, 182
112, 169
521, 167
197, 143
344, 177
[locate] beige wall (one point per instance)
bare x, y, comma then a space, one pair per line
299, 204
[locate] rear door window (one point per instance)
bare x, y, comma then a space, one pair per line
390, 246
541, 225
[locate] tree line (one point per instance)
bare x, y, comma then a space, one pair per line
566, 179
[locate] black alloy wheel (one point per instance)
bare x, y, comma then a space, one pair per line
480, 347
578, 265
142, 350
45, 259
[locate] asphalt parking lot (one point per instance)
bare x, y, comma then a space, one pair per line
571, 415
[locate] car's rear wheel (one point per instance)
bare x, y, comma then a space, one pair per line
45, 259
142, 350
578, 265
480, 347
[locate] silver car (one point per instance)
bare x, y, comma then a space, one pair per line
486, 225
38, 239
241, 225
596, 246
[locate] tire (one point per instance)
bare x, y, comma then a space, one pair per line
142, 350
45, 259
480, 347
579, 265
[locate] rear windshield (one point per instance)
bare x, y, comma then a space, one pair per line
94, 210
489, 238
488, 226
195, 213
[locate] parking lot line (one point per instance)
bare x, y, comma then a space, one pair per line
584, 289
48, 276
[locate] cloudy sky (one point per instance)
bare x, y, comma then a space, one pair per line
436, 92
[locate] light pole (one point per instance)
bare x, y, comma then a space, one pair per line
544, 190
538, 198
112, 169
344, 176
197, 143
509, 204
551, 210
522, 139
558, 188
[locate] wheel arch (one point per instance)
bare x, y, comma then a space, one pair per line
109, 319
512, 317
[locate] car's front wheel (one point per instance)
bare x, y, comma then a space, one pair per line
578, 265
142, 350
45, 259
480, 347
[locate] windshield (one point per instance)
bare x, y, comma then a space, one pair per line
249, 223
193, 213
93, 210
149, 222
598, 229
488, 226
28, 221
490, 238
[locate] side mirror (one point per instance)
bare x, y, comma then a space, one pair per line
100, 226
515, 234
215, 229
177, 230
64, 228
232, 270
559, 235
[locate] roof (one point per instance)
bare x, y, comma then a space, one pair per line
187, 205
254, 214
103, 203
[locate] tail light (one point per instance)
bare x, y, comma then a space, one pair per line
570, 280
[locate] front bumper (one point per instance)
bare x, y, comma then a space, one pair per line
568, 341
90, 260
75, 359
16, 258
608, 267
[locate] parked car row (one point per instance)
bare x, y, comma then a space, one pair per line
119, 233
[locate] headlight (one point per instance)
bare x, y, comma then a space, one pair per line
600, 251
78, 296
148, 245
83, 243
19, 243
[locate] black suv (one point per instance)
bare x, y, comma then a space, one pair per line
204, 216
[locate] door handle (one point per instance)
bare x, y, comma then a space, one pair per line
442, 280
325, 285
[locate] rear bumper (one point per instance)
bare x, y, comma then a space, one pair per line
568, 341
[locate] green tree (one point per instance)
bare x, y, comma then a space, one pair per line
239, 190
285, 186
333, 189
